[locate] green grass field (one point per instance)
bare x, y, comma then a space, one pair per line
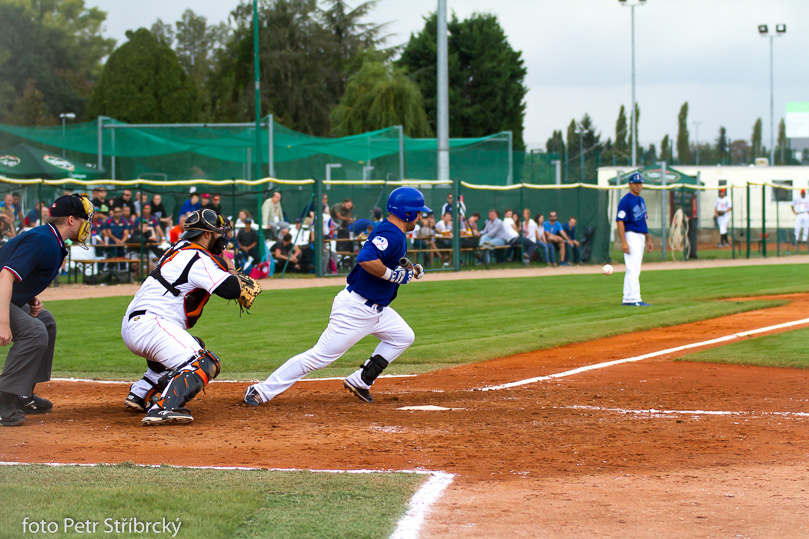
782, 350
455, 322
207, 503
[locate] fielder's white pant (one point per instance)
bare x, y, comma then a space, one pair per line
802, 224
157, 339
722, 221
633, 260
350, 321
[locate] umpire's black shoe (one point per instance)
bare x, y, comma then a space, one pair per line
9, 415
363, 394
33, 404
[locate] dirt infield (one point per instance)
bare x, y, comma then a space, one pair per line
576, 456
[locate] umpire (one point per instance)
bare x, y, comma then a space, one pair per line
28, 264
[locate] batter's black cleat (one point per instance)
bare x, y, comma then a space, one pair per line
133, 403
180, 416
363, 394
33, 404
253, 397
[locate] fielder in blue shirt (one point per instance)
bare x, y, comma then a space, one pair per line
28, 264
362, 308
634, 236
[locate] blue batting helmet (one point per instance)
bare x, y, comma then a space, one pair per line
406, 202
635, 177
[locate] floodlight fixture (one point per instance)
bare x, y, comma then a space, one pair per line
780, 28
763, 30
65, 116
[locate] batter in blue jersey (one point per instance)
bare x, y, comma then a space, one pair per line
634, 236
362, 308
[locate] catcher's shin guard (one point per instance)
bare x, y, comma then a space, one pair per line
372, 368
185, 382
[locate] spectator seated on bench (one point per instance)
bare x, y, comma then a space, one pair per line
493, 235
573, 252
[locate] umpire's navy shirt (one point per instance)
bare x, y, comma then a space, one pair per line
388, 244
34, 258
632, 211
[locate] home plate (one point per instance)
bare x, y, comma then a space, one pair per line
428, 408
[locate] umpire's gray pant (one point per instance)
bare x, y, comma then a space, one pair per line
31, 356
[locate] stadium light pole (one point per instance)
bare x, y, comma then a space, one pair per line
65, 116
763, 31
632, 132
696, 137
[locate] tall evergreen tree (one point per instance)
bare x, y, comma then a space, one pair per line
755, 139
665, 149
621, 147
651, 154
638, 148
486, 76
722, 145
683, 144
556, 144
781, 149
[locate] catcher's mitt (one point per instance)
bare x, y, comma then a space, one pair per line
250, 289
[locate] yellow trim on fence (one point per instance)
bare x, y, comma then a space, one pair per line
492, 187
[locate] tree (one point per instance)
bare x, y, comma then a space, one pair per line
722, 145
163, 32
54, 47
665, 149
683, 145
755, 139
587, 144
781, 150
143, 82
556, 144
486, 76
379, 96
638, 148
30, 108
620, 149
651, 155
303, 59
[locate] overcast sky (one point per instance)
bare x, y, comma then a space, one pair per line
578, 56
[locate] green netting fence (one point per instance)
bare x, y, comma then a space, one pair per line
227, 151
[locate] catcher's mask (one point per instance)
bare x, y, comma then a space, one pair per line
206, 220
79, 206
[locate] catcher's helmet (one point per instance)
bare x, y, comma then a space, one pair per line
204, 220
406, 202
635, 177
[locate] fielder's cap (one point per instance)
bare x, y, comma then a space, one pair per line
71, 205
206, 195
635, 177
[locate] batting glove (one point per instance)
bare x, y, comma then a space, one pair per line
400, 276
418, 271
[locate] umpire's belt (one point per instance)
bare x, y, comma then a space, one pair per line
133, 314
368, 302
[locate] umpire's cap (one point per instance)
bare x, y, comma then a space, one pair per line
206, 220
74, 205
635, 177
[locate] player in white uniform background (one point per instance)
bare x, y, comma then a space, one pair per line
362, 308
170, 302
800, 206
721, 212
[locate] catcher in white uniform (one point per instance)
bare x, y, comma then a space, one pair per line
721, 211
800, 207
169, 302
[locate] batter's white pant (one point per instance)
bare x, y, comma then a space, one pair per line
159, 340
633, 260
802, 224
350, 321
722, 221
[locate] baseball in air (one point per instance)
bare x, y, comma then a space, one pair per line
607, 269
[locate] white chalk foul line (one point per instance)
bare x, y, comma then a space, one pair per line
406, 528
646, 356
90, 380
654, 411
